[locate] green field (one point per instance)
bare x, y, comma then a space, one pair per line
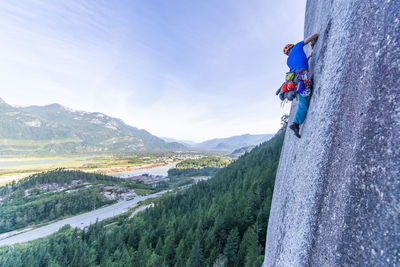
17, 168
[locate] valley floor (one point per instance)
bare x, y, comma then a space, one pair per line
14, 169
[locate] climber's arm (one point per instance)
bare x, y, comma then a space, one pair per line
311, 39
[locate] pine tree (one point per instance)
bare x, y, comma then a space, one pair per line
154, 260
231, 246
254, 250
196, 258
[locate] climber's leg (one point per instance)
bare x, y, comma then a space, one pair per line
302, 109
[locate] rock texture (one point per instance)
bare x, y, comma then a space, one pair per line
337, 192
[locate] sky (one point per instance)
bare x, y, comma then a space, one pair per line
189, 70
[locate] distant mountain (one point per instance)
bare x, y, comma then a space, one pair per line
184, 142
58, 130
234, 142
240, 151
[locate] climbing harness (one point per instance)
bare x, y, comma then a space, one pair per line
295, 83
304, 83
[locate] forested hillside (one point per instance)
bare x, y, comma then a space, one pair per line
207, 166
51, 195
207, 162
219, 222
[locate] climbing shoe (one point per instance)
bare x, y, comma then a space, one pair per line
296, 129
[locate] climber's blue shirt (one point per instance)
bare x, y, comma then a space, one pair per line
297, 59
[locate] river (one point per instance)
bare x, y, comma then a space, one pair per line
155, 171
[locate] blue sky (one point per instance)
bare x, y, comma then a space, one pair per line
183, 69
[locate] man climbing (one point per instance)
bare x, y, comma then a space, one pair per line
298, 63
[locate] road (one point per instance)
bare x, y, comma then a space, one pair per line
80, 221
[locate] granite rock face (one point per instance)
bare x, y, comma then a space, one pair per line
337, 192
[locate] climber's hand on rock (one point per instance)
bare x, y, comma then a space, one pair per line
314, 41
311, 39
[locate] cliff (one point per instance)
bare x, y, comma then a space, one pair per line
337, 192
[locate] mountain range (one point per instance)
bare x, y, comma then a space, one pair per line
226, 144
54, 129
233, 142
